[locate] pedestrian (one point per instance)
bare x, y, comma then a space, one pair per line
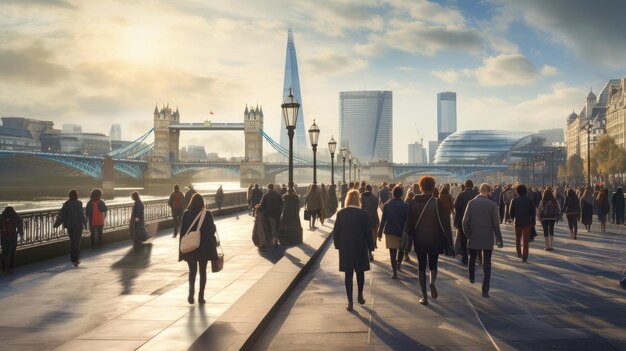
431, 237
353, 239
283, 190
271, 206
392, 224
522, 211
481, 222
176, 203
602, 207
219, 197
324, 198
255, 198
189, 194
410, 195
618, 205
383, 195
362, 187
96, 212
11, 226
586, 209
571, 207
369, 202
73, 217
447, 202
547, 214
459, 210
344, 193
507, 196
138, 230
198, 218
313, 203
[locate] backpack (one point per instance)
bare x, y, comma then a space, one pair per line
8, 226
550, 209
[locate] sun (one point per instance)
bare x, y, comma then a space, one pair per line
140, 44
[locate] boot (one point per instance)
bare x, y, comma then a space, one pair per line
190, 297
433, 289
422, 279
201, 298
486, 279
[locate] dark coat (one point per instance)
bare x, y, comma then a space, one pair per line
272, 204
618, 202
138, 211
383, 194
188, 195
481, 223
460, 204
353, 239
219, 196
522, 211
9, 213
432, 232
369, 203
571, 205
536, 198
586, 211
394, 217
73, 215
208, 243
255, 197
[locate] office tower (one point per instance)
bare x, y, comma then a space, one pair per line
68, 128
292, 81
365, 124
417, 154
432, 150
116, 132
446, 114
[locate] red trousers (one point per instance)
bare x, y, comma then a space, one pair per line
522, 236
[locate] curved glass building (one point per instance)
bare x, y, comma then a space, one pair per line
481, 146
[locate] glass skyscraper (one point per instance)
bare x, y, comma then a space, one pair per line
292, 80
446, 114
365, 124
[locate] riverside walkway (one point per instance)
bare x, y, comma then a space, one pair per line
569, 299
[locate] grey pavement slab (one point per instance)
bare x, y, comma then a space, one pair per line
568, 299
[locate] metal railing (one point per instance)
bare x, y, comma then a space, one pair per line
38, 224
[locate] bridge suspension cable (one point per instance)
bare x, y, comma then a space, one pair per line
126, 151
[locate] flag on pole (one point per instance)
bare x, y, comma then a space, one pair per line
211, 112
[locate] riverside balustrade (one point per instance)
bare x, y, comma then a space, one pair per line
38, 224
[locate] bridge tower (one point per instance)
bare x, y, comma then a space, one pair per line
252, 170
166, 146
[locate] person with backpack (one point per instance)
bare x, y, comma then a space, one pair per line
96, 212
547, 213
10, 226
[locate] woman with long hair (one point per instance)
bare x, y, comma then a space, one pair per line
547, 213
392, 224
571, 208
196, 212
137, 221
96, 212
353, 239
602, 207
618, 205
314, 204
586, 209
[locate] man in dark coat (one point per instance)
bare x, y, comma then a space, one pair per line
344, 191
536, 197
11, 226
189, 194
177, 203
459, 210
523, 212
272, 205
255, 197
369, 203
383, 195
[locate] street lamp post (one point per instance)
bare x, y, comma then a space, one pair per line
332, 145
552, 168
543, 169
344, 153
290, 227
587, 127
314, 134
355, 163
349, 166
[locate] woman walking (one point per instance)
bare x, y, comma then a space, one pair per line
195, 218
392, 224
481, 223
137, 221
547, 213
522, 212
586, 209
74, 221
369, 203
314, 204
431, 234
571, 208
96, 212
602, 208
408, 199
353, 239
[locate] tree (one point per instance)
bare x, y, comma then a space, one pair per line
576, 168
602, 156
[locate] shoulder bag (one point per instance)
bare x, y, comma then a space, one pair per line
191, 240
218, 264
407, 237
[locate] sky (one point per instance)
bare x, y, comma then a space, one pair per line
522, 65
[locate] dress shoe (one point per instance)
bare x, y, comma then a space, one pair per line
361, 300
433, 291
486, 295
190, 297
399, 267
349, 307
201, 299
394, 275
424, 301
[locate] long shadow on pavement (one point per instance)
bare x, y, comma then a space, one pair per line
131, 265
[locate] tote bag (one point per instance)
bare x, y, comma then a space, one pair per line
191, 240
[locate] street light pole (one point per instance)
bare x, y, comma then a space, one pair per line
332, 145
314, 134
588, 128
331, 203
290, 227
349, 166
344, 151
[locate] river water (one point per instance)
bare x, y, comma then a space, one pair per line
53, 202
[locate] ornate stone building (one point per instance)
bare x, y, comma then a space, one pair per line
616, 112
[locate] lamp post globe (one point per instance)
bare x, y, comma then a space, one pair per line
314, 135
290, 227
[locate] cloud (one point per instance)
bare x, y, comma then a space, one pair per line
508, 69
334, 63
40, 3
33, 64
548, 70
593, 29
449, 76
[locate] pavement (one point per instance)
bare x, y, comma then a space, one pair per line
120, 300
568, 299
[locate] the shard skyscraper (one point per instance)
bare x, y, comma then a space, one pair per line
292, 80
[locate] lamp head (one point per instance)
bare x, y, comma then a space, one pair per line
314, 134
290, 107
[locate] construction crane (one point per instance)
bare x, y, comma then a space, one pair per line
419, 135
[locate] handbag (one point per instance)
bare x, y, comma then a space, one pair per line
307, 215
218, 264
191, 240
533, 234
